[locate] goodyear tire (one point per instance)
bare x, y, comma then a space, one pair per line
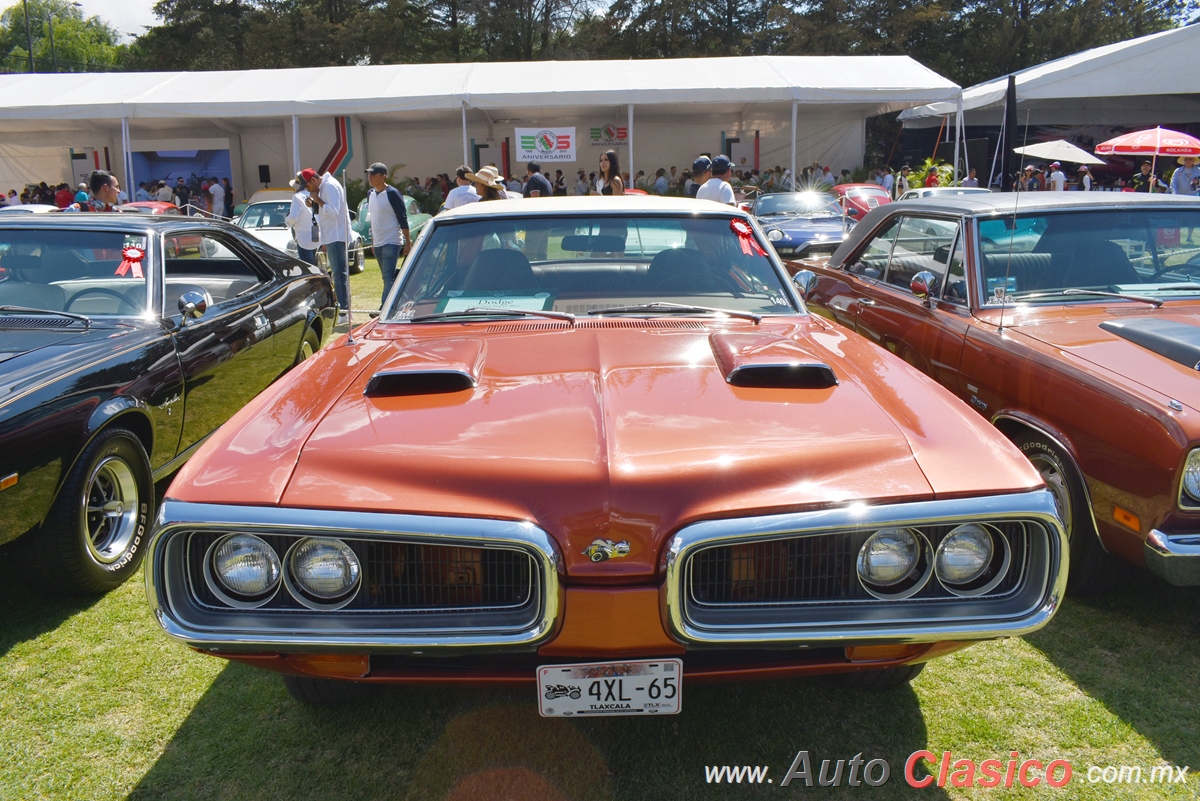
326, 692
310, 345
1091, 569
95, 535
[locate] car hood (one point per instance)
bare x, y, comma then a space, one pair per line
804, 228
28, 356
617, 430
1111, 339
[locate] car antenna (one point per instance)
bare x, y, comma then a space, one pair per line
1013, 232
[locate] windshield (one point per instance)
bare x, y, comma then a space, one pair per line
1145, 252
581, 264
806, 203
266, 215
80, 272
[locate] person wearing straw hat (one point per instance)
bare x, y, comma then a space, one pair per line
1186, 180
488, 183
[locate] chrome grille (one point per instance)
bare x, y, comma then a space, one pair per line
402, 576
817, 568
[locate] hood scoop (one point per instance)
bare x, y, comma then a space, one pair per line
769, 361
430, 368
1177, 341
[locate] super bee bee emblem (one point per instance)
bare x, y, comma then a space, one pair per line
603, 550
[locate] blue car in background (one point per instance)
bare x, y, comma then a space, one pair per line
801, 224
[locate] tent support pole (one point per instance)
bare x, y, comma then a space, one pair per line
795, 106
958, 132
466, 145
127, 156
295, 145
629, 134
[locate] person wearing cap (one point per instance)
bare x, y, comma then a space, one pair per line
328, 199
1085, 179
902, 184
1025, 181
536, 184
1146, 181
717, 188
1057, 180
302, 220
701, 172
389, 224
463, 191
931, 178
163, 193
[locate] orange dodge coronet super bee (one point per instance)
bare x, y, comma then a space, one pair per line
598, 445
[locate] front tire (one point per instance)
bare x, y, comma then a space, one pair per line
326, 692
310, 345
1091, 568
94, 537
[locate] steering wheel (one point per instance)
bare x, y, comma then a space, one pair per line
101, 290
1193, 261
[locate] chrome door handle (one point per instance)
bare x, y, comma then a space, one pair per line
866, 301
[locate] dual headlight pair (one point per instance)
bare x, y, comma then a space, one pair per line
897, 563
245, 571
1191, 476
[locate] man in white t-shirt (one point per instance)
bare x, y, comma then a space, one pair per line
390, 237
464, 191
717, 188
1058, 181
328, 198
217, 193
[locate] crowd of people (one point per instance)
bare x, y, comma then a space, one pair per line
210, 196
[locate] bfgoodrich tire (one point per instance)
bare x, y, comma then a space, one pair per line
95, 535
1091, 570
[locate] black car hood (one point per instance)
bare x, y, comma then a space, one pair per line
30, 355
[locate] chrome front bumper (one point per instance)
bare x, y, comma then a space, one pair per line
1175, 558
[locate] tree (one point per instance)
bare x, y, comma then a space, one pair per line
62, 39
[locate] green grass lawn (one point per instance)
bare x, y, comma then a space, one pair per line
97, 703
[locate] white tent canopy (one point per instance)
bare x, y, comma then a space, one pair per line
1141, 81
411, 110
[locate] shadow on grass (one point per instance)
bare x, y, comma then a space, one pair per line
247, 739
1134, 650
27, 612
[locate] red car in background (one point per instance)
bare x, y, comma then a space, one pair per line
149, 207
857, 199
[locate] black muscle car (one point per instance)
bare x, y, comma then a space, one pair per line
124, 342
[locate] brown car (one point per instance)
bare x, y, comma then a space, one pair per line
1069, 320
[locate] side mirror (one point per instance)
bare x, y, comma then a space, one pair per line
194, 303
805, 281
922, 284
853, 212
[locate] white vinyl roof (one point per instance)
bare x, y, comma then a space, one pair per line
1121, 82
872, 84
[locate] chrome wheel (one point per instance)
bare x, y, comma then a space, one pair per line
109, 512
1051, 472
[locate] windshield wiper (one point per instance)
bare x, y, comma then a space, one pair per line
677, 308
484, 311
1122, 295
26, 310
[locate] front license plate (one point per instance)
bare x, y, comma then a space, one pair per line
644, 687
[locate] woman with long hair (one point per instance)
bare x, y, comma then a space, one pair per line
488, 184
608, 181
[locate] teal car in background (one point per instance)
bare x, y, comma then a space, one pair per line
417, 220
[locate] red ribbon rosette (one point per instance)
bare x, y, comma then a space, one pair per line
746, 238
131, 261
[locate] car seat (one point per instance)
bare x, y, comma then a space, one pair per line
499, 270
1100, 263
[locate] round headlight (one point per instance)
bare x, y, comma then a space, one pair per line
774, 234
1191, 475
964, 554
245, 566
888, 557
325, 570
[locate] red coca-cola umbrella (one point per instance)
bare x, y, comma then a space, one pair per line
1153, 142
